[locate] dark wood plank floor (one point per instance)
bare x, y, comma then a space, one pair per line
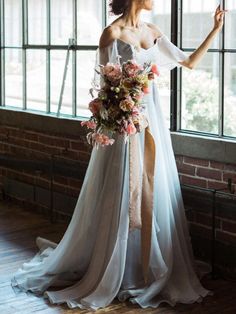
18, 230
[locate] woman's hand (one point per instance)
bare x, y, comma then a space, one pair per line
218, 18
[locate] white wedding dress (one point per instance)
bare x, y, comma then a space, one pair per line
99, 256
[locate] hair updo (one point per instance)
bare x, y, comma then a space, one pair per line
118, 6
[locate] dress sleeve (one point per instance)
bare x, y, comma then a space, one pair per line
104, 55
168, 54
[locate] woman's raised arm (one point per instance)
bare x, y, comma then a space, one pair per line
198, 54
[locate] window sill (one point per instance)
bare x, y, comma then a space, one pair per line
210, 148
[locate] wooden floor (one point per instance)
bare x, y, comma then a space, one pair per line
18, 230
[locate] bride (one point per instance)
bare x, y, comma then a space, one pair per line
128, 237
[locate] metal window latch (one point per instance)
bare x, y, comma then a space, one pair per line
71, 44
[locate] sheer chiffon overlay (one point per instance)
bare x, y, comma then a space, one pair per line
99, 256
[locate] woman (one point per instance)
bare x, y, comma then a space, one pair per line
128, 237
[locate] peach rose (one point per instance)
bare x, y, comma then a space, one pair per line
146, 90
127, 104
154, 69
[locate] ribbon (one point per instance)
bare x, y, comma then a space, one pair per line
141, 202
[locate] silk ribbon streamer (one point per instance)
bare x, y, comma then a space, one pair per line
141, 201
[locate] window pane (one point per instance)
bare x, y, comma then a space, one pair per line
85, 73
61, 21
13, 78
37, 22
230, 95
160, 16
230, 24
13, 23
36, 79
200, 96
198, 22
57, 66
89, 20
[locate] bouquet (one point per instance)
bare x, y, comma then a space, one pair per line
118, 105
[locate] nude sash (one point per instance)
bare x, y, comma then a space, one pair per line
141, 210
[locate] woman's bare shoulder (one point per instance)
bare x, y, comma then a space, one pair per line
156, 30
109, 34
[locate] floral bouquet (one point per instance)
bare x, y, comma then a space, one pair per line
117, 107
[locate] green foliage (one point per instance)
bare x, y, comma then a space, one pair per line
200, 103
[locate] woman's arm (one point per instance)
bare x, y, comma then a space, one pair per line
198, 54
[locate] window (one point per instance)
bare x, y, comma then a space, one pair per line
34, 43
208, 93
34, 48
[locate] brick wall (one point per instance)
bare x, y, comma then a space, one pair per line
199, 205
213, 175
40, 146
35, 145
205, 173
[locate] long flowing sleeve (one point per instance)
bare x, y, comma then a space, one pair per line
169, 55
104, 55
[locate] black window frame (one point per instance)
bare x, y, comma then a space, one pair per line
176, 75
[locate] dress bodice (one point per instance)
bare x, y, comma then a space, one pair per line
164, 53
141, 55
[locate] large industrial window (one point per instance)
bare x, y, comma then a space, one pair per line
208, 98
36, 34
34, 42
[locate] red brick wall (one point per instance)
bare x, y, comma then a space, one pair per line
37, 145
205, 173
208, 174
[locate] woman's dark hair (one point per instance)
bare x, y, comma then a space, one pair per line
118, 6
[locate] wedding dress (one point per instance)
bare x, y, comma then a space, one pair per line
99, 256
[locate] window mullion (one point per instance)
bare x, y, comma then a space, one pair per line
25, 38
104, 13
179, 31
221, 94
2, 55
74, 67
24, 42
74, 63
221, 82
48, 57
175, 100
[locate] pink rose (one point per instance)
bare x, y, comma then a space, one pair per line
95, 105
139, 96
131, 129
131, 68
89, 124
135, 111
112, 72
102, 139
127, 104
